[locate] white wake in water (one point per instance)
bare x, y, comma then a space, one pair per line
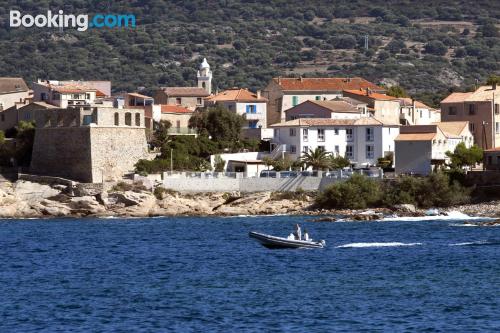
388, 244
477, 243
451, 215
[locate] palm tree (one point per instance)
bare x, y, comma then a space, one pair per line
317, 159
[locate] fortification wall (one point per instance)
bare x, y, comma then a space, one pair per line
62, 152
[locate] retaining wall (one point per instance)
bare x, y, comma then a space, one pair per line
246, 184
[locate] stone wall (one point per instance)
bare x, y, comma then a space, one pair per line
115, 150
62, 152
246, 184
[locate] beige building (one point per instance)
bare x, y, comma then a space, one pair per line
285, 93
383, 107
179, 117
481, 108
68, 93
26, 111
88, 144
413, 112
12, 90
419, 149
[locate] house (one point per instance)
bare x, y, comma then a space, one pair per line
243, 102
152, 112
481, 109
362, 140
88, 144
12, 90
413, 112
65, 94
421, 148
492, 159
179, 117
189, 97
21, 111
334, 109
285, 93
384, 107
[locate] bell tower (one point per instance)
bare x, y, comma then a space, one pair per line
205, 76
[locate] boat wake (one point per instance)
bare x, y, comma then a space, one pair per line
387, 244
477, 243
451, 215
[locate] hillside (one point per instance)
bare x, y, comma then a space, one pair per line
421, 46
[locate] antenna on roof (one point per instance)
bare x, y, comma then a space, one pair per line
366, 42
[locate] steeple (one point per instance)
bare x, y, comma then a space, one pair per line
205, 76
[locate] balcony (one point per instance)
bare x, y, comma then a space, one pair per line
182, 131
255, 116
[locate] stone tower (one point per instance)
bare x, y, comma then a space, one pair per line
205, 76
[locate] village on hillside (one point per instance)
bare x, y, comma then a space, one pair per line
294, 133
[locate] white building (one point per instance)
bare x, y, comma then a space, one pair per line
362, 140
70, 93
243, 102
12, 90
413, 112
420, 148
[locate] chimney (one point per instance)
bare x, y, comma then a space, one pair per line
279, 79
367, 92
258, 94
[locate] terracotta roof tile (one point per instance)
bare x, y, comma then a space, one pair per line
238, 95
456, 97
452, 128
185, 92
325, 84
416, 137
165, 108
371, 94
12, 85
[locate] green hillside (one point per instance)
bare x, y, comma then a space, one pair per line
424, 47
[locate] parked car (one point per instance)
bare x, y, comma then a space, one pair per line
288, 174
268, 174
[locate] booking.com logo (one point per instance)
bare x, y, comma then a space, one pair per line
81, 22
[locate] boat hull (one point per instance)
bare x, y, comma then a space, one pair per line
272, 242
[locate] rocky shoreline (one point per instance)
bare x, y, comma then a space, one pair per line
24, 199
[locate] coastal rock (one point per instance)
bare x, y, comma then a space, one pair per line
136, 203
52, 208
408, 208
232, 211
33, 192
86, 205
325, 219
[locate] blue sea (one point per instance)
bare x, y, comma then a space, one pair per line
207, 275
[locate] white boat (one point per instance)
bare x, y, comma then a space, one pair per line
273, 242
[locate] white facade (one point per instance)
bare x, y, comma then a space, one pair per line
204, 76
362, 144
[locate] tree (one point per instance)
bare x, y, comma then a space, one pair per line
338, 162
160, 135
25, 136
317, 159
463, 156
2, 138
397, 91
395, 46
436, 47
219, 164
220, 123
386, 162
493, 80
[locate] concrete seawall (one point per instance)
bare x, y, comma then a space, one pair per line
247, 184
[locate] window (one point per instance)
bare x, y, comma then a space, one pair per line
321, 134
117, 119
293, 117
497, 109
253, 123
178, 123
472, 109
305, 149
497, 128
321, 148
490, 160
276, 133
178, 101
305, 134
87, 96
128, 119
318, 98
452, 110
420, 113
198, 101
75, 96
370, 152
293, 149
56, 96
472, 127
203, 85
43, 96
336, 150
137, 119
295, 100
2, 117
349, 152
251, 109
27, 116
349, 134
87, 119
336, 131
369, 134
293, 131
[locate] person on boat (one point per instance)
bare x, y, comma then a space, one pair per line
306, 235
298, 232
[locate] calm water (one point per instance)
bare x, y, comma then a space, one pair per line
206, 275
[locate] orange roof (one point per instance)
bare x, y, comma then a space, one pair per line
415, 137
457, 97
238, 95
371, 94
325, 84
406, 101
174, 109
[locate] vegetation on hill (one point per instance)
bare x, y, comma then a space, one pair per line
424, 48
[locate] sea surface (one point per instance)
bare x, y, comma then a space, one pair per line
207, 275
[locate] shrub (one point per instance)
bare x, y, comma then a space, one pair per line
299, 194
123, 187
160, 192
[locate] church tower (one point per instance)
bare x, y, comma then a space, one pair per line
205, 76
